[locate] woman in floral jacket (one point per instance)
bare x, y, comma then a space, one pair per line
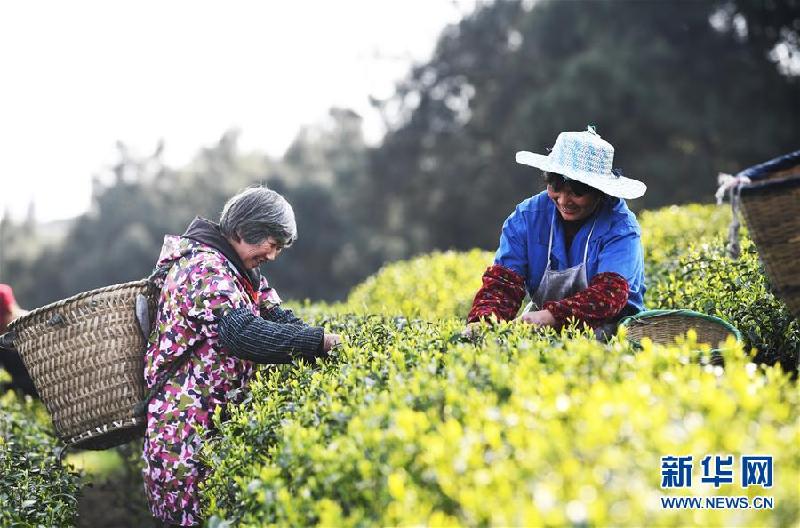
216, 318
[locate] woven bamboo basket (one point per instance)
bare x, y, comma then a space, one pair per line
85, 355
663, 326
771, 209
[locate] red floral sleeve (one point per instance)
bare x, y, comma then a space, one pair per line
604, 298
501, 295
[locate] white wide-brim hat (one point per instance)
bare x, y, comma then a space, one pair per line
587, 158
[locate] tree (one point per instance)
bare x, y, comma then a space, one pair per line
323, 175
679, 99
140, 200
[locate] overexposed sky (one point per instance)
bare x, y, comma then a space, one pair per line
77, 76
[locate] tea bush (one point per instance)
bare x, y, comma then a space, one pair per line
668, 232
409, 425
35, 488
434, 286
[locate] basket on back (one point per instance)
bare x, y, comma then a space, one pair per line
85, 355
771, 208
663, 326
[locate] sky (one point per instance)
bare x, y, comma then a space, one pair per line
79, 76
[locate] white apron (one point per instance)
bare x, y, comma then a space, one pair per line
557, 285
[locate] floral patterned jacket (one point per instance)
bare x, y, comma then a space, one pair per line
200, 287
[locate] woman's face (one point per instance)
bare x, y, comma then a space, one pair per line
570, 205
253, 255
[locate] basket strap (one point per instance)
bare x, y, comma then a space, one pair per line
156, 278
7, 340
140, 409
734, 248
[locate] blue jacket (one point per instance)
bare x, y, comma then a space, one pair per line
615, 245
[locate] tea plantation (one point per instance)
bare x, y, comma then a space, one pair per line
35, 489
409, 423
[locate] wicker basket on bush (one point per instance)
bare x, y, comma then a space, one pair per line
85, 355
663, 326
771, 208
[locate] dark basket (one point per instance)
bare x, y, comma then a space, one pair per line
663, 326
771, 209
85, 355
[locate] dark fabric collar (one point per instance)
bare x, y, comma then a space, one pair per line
208, 233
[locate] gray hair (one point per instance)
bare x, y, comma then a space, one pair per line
257, 213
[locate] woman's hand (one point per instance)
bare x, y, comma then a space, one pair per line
470, 329
540, 318
329, 341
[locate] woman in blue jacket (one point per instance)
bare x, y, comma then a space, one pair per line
575, 248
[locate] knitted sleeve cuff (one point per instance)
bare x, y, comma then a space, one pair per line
250, 337
500, 295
